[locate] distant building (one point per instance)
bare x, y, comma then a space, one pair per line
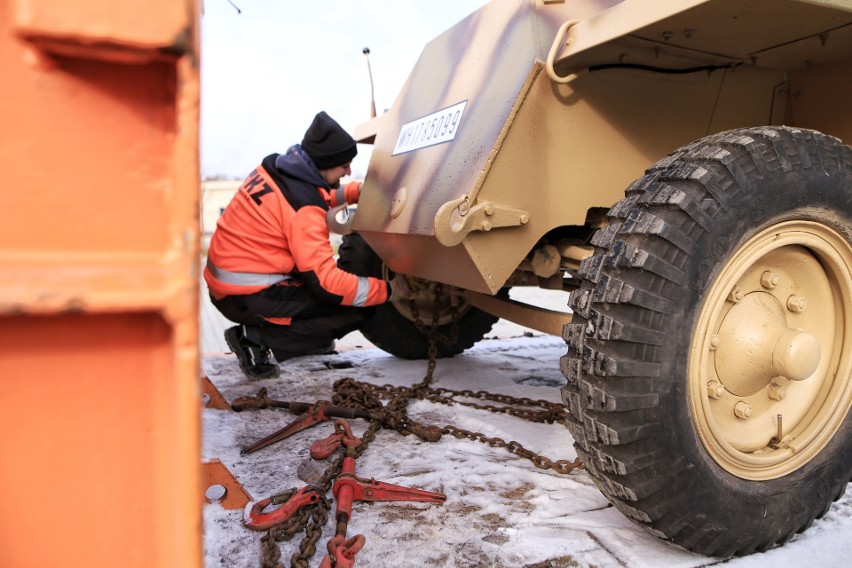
215, 196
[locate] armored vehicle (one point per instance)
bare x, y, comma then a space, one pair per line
680, 170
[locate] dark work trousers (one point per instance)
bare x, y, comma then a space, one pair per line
314, 323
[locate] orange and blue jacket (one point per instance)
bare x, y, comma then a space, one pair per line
274, 232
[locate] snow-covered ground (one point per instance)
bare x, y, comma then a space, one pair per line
500, 510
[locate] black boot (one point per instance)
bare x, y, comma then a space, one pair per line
253, 358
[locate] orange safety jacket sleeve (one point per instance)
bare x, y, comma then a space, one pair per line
308, 236
348, 193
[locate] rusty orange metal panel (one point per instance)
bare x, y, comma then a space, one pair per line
104, 29
99, 390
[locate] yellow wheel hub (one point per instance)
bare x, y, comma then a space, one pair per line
770, 361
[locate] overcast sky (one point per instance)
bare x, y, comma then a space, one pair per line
269, 68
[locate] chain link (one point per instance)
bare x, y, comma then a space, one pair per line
359, 395
541, 462
352, 390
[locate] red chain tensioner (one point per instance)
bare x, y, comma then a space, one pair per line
315, 415
310, 415
255, 519
348, 489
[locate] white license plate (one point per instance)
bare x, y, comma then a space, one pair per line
430, 130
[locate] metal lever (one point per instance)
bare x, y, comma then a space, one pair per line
260, 401
348, 488
314, 416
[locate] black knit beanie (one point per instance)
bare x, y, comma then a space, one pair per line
327, 143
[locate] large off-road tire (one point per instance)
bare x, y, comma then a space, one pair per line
716, 311
393, 326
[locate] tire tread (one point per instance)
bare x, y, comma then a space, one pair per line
616, 381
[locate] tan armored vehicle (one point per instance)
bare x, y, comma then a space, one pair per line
680, 168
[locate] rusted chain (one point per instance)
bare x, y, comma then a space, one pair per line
318, 518
353, 390
394, 416
358, 395
350, 394
363, 399
541, 462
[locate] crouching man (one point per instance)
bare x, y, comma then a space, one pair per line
270, 265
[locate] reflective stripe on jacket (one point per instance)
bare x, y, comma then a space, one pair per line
244, 278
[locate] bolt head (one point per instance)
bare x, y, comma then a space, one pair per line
715, 389
743, 410
796, 304
777, 392
769, 279
736, 295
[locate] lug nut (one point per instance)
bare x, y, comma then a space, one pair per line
777, 392
715, 341
796, 304
715, 389
769, 279
742, 410
736, 295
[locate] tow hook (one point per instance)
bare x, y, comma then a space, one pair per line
255, 519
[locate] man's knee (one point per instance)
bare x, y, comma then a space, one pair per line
304, 336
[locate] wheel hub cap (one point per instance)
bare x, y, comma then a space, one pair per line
770, 365
756, 345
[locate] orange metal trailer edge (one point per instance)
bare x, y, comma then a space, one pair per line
99, 389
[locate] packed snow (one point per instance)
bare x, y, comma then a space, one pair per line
501, 511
